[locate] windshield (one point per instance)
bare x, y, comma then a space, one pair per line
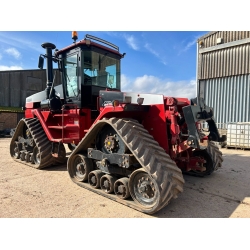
101, 70
70, 64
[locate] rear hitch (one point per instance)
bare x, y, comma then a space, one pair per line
197, 112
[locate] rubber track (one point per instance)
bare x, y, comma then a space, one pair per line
216, 155
152, 158
41, 141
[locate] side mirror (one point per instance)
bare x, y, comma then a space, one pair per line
40, 62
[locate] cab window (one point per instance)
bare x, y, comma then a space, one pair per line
101, 70
70, 64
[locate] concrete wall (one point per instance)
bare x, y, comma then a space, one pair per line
16, 85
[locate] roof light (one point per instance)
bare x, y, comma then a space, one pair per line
74, 36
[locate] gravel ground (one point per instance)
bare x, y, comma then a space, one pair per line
29, 193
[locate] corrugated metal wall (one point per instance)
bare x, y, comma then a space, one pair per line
210, 39
230, 98
225, 62
16, 85
230, 57
224, 75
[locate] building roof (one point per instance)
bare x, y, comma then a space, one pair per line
206, 35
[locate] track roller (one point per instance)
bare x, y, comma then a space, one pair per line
22, 155
27, 156
16, 154
32, 158
107, 183
121, 188
143, 188
95, 178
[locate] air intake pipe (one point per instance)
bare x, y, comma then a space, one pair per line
52, 102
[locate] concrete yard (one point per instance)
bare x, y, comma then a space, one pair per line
29, 193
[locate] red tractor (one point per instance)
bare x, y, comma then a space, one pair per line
130, 147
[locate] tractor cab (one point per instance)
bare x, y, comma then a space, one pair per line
87, 67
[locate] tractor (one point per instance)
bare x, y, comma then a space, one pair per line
130, 147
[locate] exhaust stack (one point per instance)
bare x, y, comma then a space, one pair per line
49, 71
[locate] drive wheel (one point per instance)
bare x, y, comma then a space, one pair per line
143, 188
121, 188
80, 167
109, 142
107, 183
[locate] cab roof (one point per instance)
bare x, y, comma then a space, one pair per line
88, 42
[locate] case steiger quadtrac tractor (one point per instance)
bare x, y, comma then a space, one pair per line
130, 147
